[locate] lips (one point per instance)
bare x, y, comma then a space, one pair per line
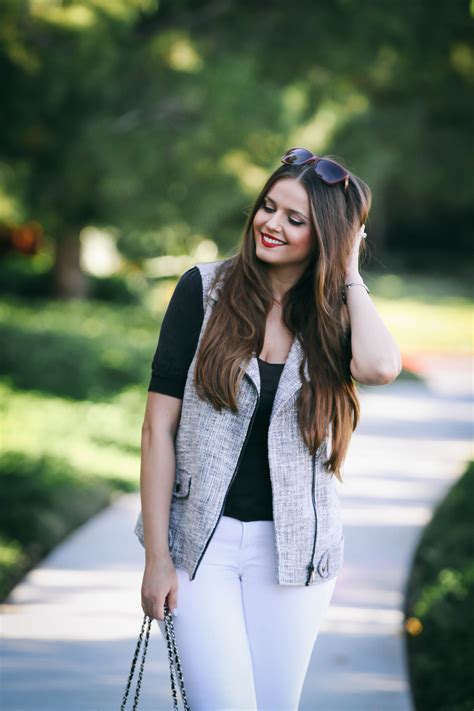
267, 243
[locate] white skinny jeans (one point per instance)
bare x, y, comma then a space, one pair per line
245, 642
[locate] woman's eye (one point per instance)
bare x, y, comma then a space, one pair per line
267, 208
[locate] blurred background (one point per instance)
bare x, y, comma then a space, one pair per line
134, 137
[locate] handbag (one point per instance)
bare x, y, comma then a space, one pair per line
174, 660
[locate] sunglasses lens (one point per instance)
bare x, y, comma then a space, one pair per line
295, 156
330, 172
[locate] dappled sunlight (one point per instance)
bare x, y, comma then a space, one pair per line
368, 517
462, 59
328, 118
77, 16
88, 588
177, 49
363, 682
238, 164
405, 404
67, 604
420, 463
363, 620
375, 595
318, 131
174, 265
372, 485
84, 14
410, 448
99, 254
406, 450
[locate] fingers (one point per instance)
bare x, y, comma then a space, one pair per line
155, 608
159, 610
159, 588
173, 601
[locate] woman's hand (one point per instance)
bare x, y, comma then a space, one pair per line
352, 268
160, 581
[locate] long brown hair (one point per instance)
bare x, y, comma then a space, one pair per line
312, 309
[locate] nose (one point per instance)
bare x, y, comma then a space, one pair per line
273, 222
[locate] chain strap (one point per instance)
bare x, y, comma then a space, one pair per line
173, 649
147, 622
172, 652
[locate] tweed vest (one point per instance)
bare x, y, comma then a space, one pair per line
309, 538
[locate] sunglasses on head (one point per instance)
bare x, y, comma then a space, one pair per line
328, 170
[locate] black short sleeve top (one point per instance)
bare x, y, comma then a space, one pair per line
179, 335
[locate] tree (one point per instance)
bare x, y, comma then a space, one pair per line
162, 121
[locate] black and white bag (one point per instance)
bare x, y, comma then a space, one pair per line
175, 664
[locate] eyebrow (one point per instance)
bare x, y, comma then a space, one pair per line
267, 197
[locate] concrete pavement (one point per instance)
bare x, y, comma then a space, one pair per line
411, 446
70, 627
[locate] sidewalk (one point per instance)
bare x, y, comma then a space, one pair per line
70, 627
411, 446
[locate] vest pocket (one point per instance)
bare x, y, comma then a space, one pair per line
331, 559
182, 484
180, 494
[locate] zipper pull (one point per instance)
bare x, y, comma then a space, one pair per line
310, 577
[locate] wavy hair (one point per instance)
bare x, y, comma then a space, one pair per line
312, 308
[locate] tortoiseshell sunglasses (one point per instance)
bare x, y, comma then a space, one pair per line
328, 170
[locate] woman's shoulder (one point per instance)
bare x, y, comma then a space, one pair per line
199, 279
211, 268
189, 287
191, 276
213, 273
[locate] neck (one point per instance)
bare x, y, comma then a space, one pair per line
282, 279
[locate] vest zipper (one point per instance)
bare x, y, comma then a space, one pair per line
311, 573
233, 477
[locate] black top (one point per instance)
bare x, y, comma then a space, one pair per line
250, 495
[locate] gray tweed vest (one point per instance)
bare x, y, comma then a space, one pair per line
309, 537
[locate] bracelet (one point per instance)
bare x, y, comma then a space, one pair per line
353, 283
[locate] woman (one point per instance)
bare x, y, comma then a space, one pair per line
251, 407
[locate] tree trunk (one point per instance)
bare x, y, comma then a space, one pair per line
69, 281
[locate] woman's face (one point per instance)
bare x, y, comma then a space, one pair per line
284, 215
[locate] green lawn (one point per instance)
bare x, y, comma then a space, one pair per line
426, 313
73, 382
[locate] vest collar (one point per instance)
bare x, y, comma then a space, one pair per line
289, 381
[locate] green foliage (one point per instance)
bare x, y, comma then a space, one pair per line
117, 289
99, 438
33, 278
440, 595
162, 119
70, 365
78, 350
63, 457
26, 277
43, 499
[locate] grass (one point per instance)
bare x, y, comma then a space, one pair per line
425, 313
73, 382
43, 499
439, 607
